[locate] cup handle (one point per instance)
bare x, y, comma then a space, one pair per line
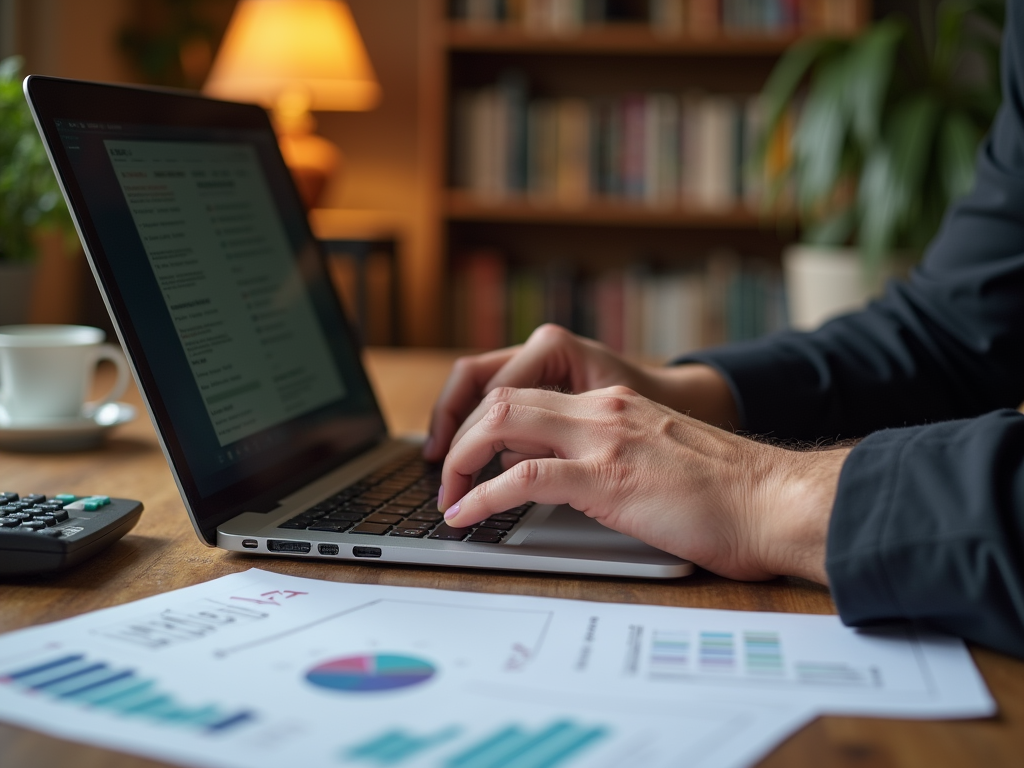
114, 354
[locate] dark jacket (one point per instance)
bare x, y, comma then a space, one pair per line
929, 520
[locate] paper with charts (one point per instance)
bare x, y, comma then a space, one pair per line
260, 669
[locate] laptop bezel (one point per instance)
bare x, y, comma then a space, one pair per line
51, 99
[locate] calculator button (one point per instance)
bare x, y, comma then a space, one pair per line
8, 497
60, 515
33, 525
9, 522
8, 509
20, 516
55, 533
48, 520
65, 498
34, 498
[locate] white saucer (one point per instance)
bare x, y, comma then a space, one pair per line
65, 434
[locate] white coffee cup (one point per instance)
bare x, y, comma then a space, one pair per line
46, 372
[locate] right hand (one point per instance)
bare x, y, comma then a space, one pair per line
553, 357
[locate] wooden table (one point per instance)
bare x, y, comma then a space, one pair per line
163, 553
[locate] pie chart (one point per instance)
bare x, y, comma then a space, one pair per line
371, 672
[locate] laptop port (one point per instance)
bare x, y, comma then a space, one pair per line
278, 545
366, 551
328, 549
250, 543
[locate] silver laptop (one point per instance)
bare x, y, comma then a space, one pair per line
251, 375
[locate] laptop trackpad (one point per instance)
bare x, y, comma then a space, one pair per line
569, 533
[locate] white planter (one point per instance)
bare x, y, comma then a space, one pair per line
822, 283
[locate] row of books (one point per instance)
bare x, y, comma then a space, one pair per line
692, 17
637, 310
659, 149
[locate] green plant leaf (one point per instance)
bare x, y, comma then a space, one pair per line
785, 79
834, 230
958, 144
818, 141
872, 59
891, 187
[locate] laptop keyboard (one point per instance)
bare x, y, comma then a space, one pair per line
400, 499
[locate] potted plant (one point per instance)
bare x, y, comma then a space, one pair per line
877, 144
30, 200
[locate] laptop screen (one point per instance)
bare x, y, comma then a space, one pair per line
218, 288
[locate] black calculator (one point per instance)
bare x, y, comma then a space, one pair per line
40, 534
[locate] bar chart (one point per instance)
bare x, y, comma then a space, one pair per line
75, 679
551, 746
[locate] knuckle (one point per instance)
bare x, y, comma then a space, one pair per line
549, 333
527, 473
622, 392
498, 395
497, 415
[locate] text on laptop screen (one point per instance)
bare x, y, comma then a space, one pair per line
238, 322
225, 269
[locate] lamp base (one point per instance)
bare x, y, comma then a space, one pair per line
312, 160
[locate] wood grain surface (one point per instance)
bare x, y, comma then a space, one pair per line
164, 553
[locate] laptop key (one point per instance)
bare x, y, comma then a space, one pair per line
380, 517
409, 533
338, 527
426, 517
296, 525
505, 517
447, 533
496, 524
373, 529
345, 517
485, 537
417, 524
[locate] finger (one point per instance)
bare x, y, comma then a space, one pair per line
510, 425
461, 394
545, 481
546, 359
540, 398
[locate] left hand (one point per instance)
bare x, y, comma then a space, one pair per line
734, 506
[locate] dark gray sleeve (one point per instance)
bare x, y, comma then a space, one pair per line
929, 525
947, 344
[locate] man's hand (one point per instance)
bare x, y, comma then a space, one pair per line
554, 357
742, 509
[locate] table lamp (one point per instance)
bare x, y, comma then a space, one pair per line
294, 56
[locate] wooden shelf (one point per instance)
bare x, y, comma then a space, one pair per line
630, 39
461, 206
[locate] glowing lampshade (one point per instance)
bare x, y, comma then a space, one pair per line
294, 56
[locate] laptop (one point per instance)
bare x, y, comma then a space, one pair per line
251, 375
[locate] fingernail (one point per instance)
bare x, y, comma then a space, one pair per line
453, 510
440, 497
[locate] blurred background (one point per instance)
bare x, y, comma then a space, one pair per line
631, 169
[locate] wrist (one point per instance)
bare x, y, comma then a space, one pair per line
796, 501
697, 390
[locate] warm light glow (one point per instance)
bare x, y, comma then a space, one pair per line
307, 51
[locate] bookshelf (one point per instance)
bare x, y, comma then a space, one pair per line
513, 242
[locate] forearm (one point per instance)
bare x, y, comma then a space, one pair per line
699, 391
928, 524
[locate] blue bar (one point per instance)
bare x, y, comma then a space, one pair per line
43, 667
232, 721
56, 673
69, 676
481, 756
77, 692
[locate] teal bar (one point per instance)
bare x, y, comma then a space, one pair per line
103, 692
79, 681
556, 750
130, 691
502, 755
146, 707
482, 755
372, 748
399, 751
